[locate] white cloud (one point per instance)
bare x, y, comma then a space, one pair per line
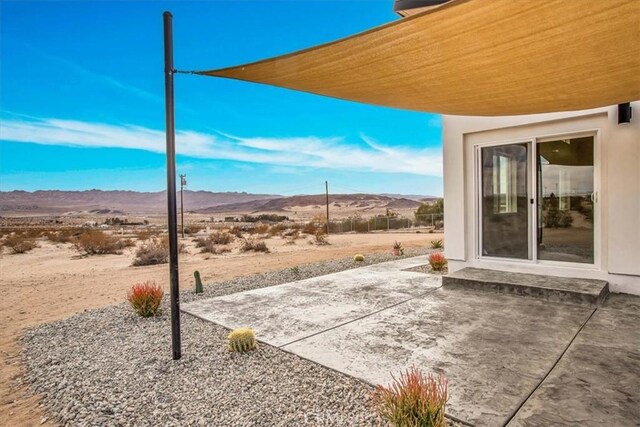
310, 151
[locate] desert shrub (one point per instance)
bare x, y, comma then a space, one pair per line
66, 235
182, 248
221, 237
206, 245
358, 258
145, 298
210, 244
293, 233
241, 340
126, 243
259, 229
193, 229
236, 231
320, 238
437, 261
437, 244
152, 252
311, 227
96, 242
20, 243
145, 234
253, 245
413, 400
276, 229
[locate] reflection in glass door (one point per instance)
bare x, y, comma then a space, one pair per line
505, 210
566, 200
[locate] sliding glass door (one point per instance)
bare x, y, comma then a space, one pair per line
536, 200
505, 215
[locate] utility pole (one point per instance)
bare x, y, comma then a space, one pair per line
326, 191
171, 185
183, 183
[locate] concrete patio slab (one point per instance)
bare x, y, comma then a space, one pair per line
286, 313
494, 348
597, 382
527, 361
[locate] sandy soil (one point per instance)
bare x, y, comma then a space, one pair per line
53, 282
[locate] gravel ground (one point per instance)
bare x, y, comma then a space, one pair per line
111, 367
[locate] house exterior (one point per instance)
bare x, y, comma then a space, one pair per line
555, 194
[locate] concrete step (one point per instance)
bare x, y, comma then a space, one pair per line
552, 288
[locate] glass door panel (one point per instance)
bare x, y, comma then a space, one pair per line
565, 200
505, 217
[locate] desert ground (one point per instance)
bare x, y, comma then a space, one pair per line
53, 281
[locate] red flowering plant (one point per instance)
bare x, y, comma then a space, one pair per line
145, 298
413, 400
437, 261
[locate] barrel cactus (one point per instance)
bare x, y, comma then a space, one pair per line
241, 340
358, 258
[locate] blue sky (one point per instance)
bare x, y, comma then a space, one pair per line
82, 102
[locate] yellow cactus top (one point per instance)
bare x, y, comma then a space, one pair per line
241, 333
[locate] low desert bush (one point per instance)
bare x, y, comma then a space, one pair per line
253, 245
241, 340
145, 298
221, 237
206, 245
311, 227
20, 244
437, 261
437, 244
358, 258
182, 248
145, 234
292, 233
320, 238
236, 231
96, 242
413, 400
152, 252
66, 235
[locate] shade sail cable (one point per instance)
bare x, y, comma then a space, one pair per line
475, 57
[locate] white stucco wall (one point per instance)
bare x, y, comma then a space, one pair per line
617, 182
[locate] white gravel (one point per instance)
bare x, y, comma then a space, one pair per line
111, 367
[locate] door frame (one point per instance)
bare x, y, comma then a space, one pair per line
532, 188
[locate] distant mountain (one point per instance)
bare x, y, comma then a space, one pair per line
114, 202
356, 202
417, 197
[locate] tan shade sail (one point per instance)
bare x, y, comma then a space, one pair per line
475, 57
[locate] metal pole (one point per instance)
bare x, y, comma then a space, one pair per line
171, 184
182, 183
326, 189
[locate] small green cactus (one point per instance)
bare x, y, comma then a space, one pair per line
358, 258
241, 340
199, 289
